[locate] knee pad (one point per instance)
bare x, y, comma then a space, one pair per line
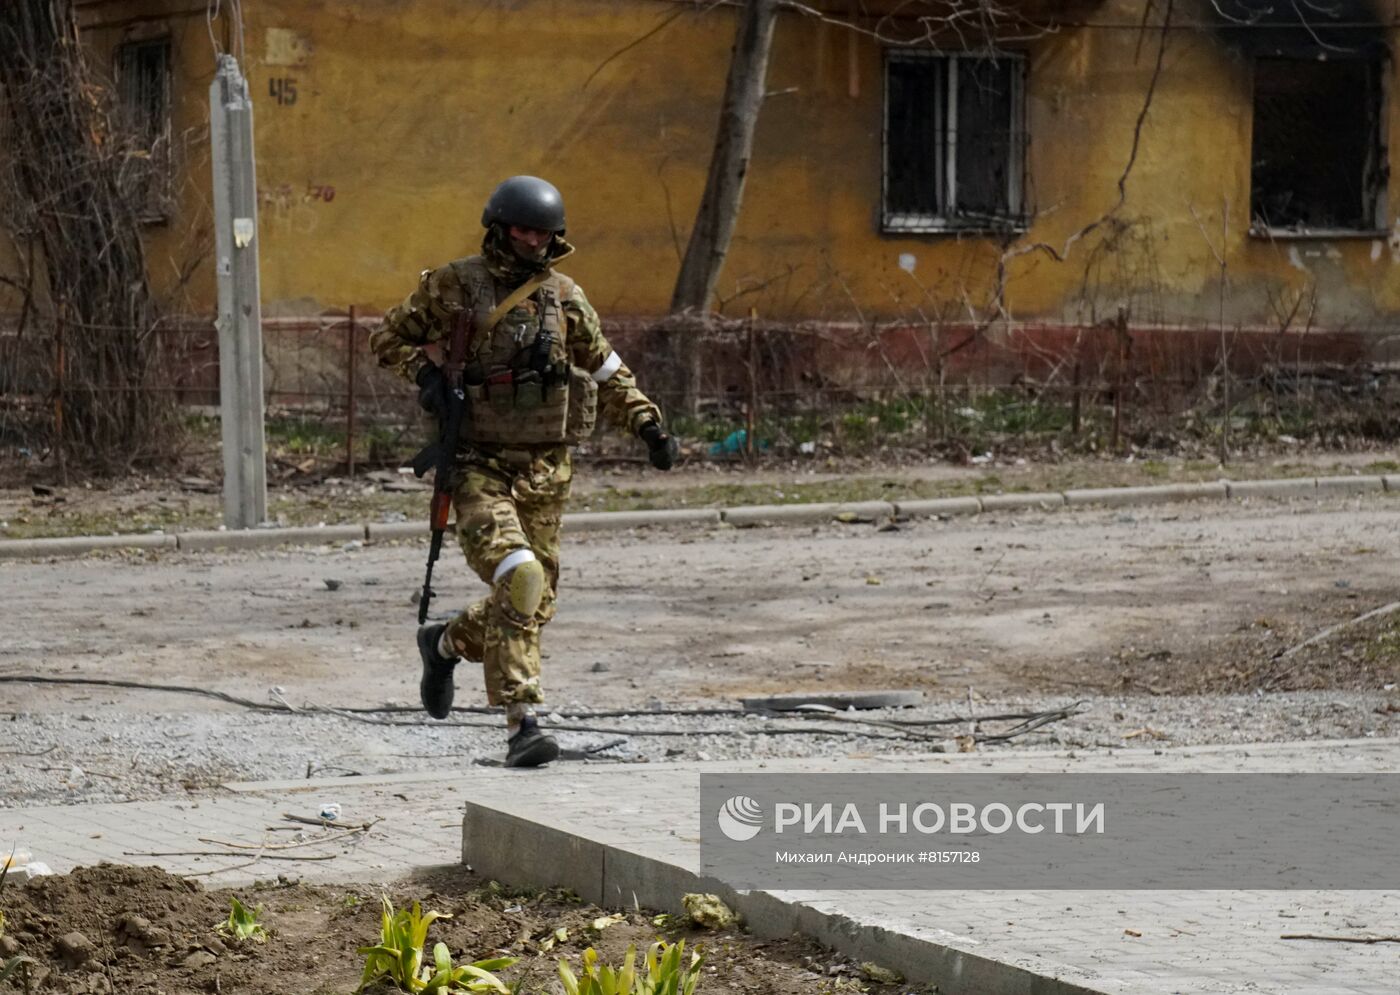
520, 578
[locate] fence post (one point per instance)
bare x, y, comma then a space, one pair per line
753, 382
1074, 396
1121, 328
350, 394
59, 364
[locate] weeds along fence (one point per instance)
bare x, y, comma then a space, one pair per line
785, 389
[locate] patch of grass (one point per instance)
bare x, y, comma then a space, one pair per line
1383, 466
57, 520
1385, 647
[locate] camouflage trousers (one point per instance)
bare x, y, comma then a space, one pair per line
505, 505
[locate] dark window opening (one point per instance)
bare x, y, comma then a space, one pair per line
954, 141
1318, 162
143, 86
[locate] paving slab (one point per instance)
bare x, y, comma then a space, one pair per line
618, 846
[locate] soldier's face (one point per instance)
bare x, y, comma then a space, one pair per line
529, 243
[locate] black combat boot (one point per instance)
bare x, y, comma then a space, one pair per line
530, 747
436, 686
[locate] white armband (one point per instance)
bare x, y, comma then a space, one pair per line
610, 366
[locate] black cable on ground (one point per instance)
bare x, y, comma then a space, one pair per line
903, 728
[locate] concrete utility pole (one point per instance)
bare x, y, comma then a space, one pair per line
240, 308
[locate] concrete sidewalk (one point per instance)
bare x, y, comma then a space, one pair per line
1293, 488
619, 834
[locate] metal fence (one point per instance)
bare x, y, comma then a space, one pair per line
788, 389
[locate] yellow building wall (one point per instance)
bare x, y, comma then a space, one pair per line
407, 113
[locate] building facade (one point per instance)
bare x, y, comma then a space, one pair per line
1191, 169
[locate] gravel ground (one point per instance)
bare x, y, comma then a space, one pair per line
112, 755
1134, 612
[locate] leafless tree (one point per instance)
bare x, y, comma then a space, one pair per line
952, 23
74, 191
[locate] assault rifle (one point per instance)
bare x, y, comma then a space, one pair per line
440, 454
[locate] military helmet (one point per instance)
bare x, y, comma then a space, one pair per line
527, 201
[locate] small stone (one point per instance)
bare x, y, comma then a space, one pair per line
139, 931
600, 668
332, 584
198, 959
75, 948
9, 946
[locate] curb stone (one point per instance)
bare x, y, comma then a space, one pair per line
79, 545
938, 507
608, 873
266, 538
1043, 501
759, 513
613, 521
389, 531
744, 516
1297, 487
1350, 485
1156, 494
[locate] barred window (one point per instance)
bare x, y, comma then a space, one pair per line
954, 141
1318, 162
143, 86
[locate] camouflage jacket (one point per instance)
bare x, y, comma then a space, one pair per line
425, 317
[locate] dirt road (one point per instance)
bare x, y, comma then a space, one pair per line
1154, 615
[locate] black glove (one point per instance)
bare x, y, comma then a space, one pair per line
432, 389
662, 449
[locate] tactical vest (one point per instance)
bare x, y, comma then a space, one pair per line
521, 388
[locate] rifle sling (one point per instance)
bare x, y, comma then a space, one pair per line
513, 298
463, 328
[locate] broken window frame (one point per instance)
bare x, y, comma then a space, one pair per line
149, 119
1375, 167
943, 172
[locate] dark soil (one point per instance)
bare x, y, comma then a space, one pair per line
146, 931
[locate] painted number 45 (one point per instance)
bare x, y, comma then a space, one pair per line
282, 89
